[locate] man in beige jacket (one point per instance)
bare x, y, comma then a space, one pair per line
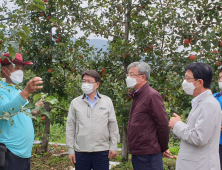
91, 129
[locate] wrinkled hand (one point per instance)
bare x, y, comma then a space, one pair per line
72, 158
174, 120
39, 103
112, 154
33, 85
167, 154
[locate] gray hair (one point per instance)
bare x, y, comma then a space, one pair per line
142, 68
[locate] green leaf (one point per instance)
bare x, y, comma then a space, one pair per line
26, 29
39, 1
13, 32
1, 34
12, 52
37, 97
23, 35
51, 100
29, 106
37, 6
43, 111
14, 44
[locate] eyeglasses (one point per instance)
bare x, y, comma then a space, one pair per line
133, 75
90, 82
187, 78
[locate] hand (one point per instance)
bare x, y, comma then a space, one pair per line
72, 158
167, 154
31, 87
174, 120
39, 103
112, 154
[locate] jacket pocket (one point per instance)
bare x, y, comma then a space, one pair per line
188, 161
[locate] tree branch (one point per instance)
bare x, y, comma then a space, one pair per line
59, 108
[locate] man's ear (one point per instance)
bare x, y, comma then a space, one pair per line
201, 82
3, 69
98, 83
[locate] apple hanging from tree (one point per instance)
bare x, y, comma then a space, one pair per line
50, 70
119, 56
186, 41
218, 64
42, 14
221, 43
35, 18
103, 69
192, 57
48, 17
57, 40
43, 117
214, 51
80, 55
71, 49
39, 134
45, 1
55, 146
0, 41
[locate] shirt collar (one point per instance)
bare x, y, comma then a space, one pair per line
194, 100
95, 98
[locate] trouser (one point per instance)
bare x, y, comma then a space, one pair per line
13, 162
148, 162
92, 160
220, 152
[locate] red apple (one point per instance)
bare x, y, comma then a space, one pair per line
80, 56
53, 83
43, 117
50, 70
151, 47
186, 41
68, 23
62, 150
214, 51
48, 17
57, 40
38, 112
45, 1
221, 43
58, 84
192, 57
73, 70
119, 56
42, 14
55, 146
103, 69
50, 36
71, 49
218, 63
35, 18
60, 29
0, 41
39, 134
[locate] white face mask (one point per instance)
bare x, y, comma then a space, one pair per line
17, 76
87, 88
220, 84
131, 82
188, 87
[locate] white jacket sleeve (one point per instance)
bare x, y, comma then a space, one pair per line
70, 129
113, 128
205, 124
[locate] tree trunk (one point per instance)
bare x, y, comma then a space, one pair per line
45, 140
125, 152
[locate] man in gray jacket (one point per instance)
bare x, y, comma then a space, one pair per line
91, 129
200, 135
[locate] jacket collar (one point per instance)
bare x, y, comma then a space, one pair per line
200, 99
98, 94
135, 95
